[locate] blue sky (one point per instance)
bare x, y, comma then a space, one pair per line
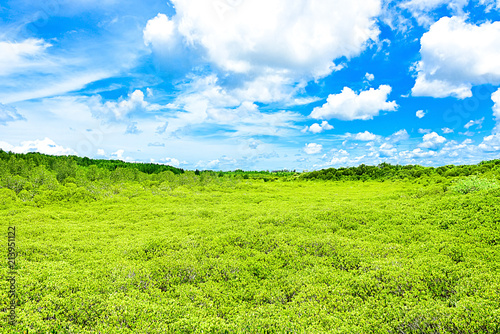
252, 84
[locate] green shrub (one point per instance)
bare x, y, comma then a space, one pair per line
15, 183
7, 198
473, 183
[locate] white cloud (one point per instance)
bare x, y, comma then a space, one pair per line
351, 106
453, 149
204, 101
172, 162
419, 153
387, 150
424, 130
118, 154
339, 160
432, 140
467, 133
160, 32
439, 88
318, 128
477, 122
52, 87
365, 136
447, 130
45, 146
22, 56
420, 113
456, 55
313, 148
118, 111
369, 76
398, 136
260, 35
495, 97
491, 143
267, 49
422, 10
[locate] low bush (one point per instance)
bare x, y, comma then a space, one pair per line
472, 184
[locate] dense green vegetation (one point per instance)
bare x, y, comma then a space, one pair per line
386, 171
105, 250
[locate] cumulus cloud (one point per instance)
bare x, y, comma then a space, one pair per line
491, 143
454, 149
456, 55
432, 141
351, 106
365, 136
119, 111
216, 164
419, 153
424, 130
369, 77
21, 56
260, 35
387, 150
160, 32
45, 146
398, 136
172, 162
318, 128
313, 148
119, 156
495, 97
9, 114
420, 113
447, 130
265, 51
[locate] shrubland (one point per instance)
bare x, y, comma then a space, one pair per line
369, 249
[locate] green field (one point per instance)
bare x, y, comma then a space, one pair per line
189, 254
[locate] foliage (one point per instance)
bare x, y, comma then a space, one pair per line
387, 171
123, 251
473, 183
176, 255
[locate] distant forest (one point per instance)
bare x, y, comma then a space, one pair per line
35, 167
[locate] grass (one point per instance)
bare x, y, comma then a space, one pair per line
256, 257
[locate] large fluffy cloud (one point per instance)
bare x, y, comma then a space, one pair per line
455, 56
318, 128
365, 136
160, 32
432, 140
301, 37
351, 106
